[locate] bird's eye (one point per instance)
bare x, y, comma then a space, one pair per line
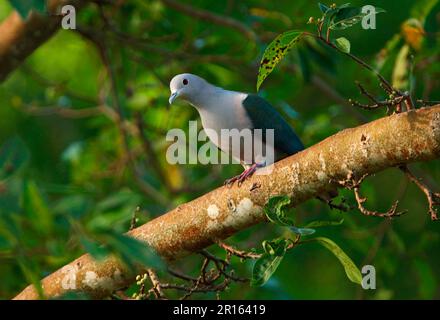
185, 82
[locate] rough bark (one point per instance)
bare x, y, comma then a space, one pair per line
19, 38
391, 141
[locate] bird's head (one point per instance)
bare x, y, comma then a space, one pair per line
186, 86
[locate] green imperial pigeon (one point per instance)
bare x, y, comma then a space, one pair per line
223, 109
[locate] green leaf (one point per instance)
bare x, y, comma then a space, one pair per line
276, 213
36, 207
268, 263
99, 252
302, 231
275, 52
352, 271
275, 210
264, 268
276, 247
400, 76
24, 7
346, 17
13, 156
132, 251
323, 7
75, 206
324, 223
118, 199
30, 270
343, 44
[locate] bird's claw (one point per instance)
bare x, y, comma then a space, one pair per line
241, 177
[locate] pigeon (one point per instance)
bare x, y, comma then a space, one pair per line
224, 109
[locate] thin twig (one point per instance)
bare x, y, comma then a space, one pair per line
157, 287
354, 184
238, 253
432, 197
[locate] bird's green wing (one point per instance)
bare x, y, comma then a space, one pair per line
264, 116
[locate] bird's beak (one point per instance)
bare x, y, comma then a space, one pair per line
173, 97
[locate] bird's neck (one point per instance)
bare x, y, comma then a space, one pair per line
210, 93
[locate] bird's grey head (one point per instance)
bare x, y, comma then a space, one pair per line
188, 87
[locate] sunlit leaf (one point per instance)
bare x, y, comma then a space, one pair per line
275, 52
352, 271
401, 69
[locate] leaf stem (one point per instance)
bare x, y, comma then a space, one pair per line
388, 86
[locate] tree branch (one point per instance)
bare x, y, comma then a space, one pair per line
388, 142
19, 38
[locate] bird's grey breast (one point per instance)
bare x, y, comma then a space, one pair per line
224, 111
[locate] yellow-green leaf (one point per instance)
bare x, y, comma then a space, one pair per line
275, 52
264, 268
352, 271
400, 75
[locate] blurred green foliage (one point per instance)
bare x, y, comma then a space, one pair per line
68, 184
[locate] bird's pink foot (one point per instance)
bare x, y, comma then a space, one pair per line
243, 176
